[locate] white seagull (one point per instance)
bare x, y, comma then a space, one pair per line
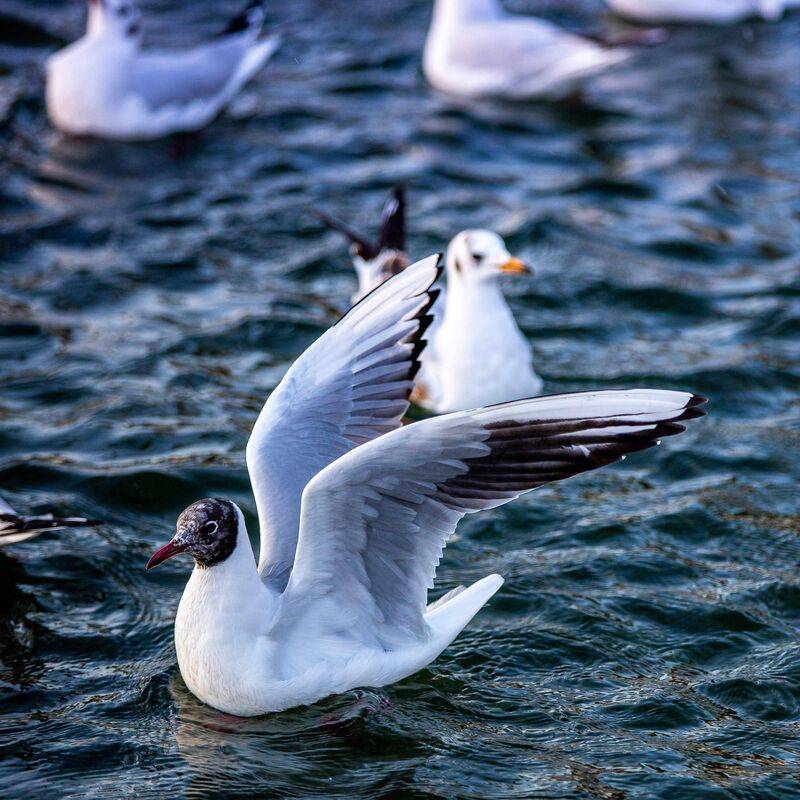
16, 528
105, 85
704, 12
354, 511
476, 49
476, 355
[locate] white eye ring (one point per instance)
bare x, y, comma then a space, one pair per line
204, 528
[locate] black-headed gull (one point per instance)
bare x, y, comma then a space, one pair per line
476, 355
105, 85
376, 263
476, 49
355, 511
704, 12
16, 528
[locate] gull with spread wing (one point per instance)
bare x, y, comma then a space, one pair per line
475, 48
355, 510
16, 528
105, 85
476, 355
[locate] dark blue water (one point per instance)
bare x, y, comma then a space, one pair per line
645, 643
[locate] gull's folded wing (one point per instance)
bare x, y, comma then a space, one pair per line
352, 385
208, 74
374, 523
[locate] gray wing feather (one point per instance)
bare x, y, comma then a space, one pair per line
203, 73
374, 523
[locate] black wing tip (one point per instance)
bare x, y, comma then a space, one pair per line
425, 319
692, 409
393, 221
525, 454
250, 17
23, 524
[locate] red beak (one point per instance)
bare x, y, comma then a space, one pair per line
167, 551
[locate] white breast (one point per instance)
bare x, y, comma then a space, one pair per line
224, 654
82, 93
482, 356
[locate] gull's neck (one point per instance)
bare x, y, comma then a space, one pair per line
368, 276
98, 30
477, 309
466, 9
231, 591
477, 299
94, 25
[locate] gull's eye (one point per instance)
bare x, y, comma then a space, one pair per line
477, 257
209, 528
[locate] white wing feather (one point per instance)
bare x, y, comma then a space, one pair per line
352, 385
374, 523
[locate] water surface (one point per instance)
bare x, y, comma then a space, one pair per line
151, 295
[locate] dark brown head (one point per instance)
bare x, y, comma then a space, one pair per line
207, 529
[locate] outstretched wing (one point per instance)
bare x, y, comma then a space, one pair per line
393, 222
352, 385
374, 523
360, 244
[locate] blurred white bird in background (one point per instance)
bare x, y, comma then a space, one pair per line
476, 355
477, 49
355, 510
704, 12
15, 528
376, 263
105, 85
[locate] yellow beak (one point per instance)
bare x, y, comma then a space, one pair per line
516, 267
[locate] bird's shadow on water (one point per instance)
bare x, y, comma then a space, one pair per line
578, 111
101, 161
311, 748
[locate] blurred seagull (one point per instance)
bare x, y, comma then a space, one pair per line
476, 49
476, 355
376, 263
704, 12
354, 511
15, 528
105, 85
